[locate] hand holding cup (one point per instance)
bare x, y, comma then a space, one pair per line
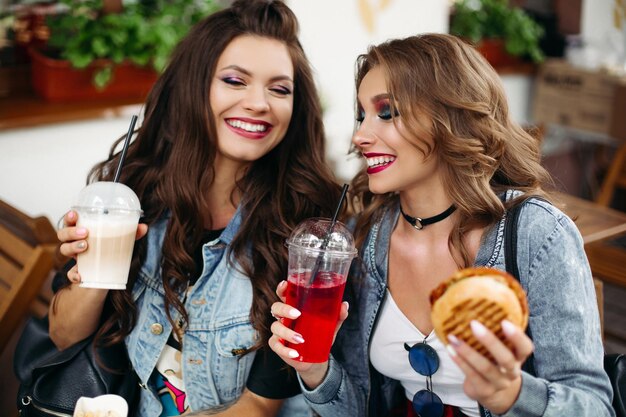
105, 220
311, 373
74, 240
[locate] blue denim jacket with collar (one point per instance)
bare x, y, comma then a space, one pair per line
214, 370
564, 322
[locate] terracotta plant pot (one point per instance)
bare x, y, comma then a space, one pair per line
56, 80
495, 52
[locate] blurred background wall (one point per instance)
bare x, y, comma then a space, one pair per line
42, 168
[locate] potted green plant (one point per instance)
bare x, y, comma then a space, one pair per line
494, 25
117, 53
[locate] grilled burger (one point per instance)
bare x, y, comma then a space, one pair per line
484, 294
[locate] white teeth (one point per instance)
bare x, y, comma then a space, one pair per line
380, 160
249, 127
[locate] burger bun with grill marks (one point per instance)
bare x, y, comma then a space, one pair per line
487, 295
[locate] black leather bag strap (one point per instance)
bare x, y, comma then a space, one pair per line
511, 225
615, 367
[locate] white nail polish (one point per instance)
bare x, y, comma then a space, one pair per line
478, 329
451, 351
454, 341
294, 314
508, 327
293, 354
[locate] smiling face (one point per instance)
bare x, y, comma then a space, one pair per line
251, 98
394, 162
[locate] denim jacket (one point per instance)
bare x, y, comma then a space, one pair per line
219, 328
564, 322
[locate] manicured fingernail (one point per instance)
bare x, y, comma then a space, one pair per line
453, 340
282, 283
508, 328
478, 329
81, 245
293, 313
81, 231
347, 305
451, 350
297, 338
71, 215
293, 354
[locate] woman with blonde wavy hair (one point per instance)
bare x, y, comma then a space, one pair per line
444, 162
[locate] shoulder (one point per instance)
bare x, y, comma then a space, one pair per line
548, 241
539, 219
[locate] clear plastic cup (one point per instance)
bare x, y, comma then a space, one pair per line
317, 277
111, 212
109, 405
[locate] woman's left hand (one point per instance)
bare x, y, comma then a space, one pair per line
495, 386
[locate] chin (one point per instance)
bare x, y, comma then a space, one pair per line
376, 190
378, 187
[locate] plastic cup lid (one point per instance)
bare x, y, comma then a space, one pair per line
108, 195
310, 234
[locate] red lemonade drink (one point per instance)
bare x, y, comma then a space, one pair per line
321, 302
320, 254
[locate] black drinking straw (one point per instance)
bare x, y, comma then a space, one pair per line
318, 261
320, 255
131, 130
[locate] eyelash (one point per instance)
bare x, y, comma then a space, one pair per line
281, 90
360, 116
232, 81
284, 91
384, 114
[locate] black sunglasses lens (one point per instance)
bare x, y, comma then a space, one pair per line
427, 404
423, 359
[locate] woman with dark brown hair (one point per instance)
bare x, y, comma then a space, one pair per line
444, 163
228, 160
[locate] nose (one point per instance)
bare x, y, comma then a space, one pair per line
363, 137
256, 100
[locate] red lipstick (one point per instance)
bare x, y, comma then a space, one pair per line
246, 133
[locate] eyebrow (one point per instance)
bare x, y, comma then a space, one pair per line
248, 73
375, 99
378, 97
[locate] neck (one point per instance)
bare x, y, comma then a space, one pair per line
419, 212
222, 197
419, 223
425, 202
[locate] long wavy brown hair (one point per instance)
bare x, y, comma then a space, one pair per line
170, 166
481, 151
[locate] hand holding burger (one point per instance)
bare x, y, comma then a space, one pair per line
487, 295
469, 311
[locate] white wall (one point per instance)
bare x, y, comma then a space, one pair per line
335, 32
42, 169
605, 43
596, 19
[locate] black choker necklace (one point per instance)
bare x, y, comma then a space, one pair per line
419, 223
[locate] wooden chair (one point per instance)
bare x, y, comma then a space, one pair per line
607, 259
615, 178
28, 248
34, 231
23, 269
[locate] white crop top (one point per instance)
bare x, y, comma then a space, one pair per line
390, 358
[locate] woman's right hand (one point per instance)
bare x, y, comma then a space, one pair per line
74, 240
311, 373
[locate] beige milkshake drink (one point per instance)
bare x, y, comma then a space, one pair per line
110, 212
